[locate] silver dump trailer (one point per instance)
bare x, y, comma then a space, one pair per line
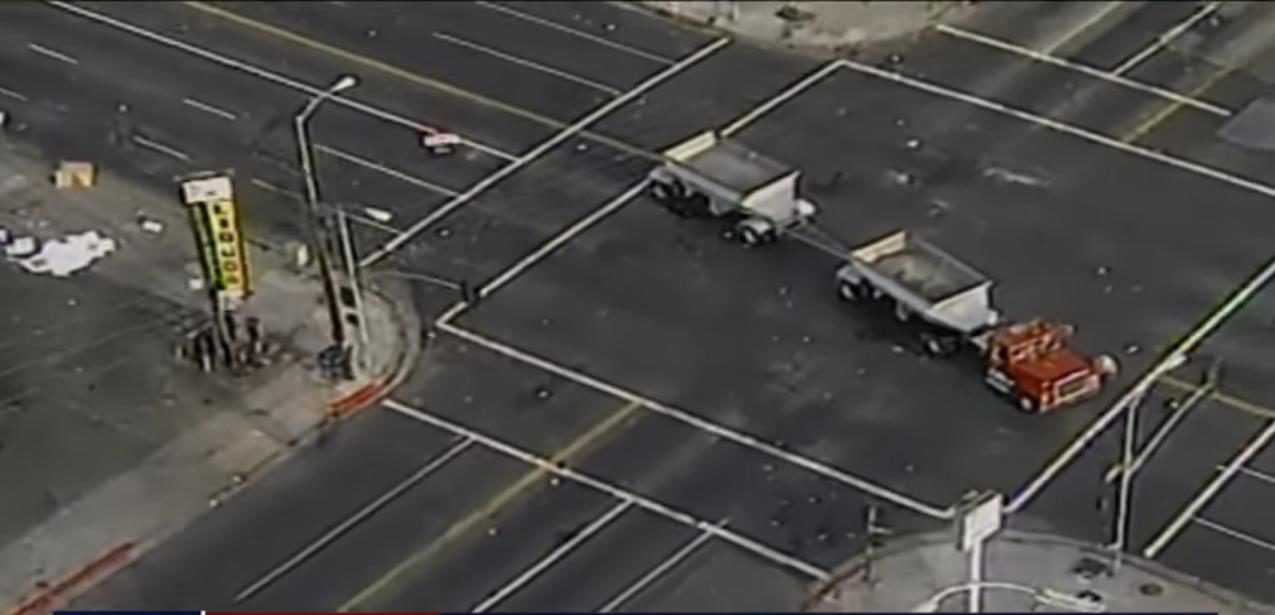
706, 176
923, 282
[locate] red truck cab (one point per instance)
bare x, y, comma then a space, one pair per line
1032, 363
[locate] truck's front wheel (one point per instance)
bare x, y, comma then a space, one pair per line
1026, 404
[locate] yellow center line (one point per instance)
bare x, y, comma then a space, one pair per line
407, 75
492, 506
1155, 120
1237, 403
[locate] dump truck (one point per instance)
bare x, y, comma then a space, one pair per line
1030, 362
710, 177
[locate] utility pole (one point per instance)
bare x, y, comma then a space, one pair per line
1124, 499
316, 231
356, 288
874, 534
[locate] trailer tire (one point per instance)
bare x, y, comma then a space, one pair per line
668, 192
901, 312
849, 291
696, 205
661, 192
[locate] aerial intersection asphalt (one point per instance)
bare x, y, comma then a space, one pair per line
641, 414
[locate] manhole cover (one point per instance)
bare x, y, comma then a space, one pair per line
1150, 589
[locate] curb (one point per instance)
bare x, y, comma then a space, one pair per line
855, 565
46, 599
76, 582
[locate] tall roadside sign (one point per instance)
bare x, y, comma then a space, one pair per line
214, 216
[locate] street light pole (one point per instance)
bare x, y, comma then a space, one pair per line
1124, 500
313, 228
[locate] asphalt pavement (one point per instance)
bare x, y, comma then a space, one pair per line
747, 343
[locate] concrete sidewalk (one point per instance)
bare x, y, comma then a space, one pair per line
836, 27
1033, 572
255, 422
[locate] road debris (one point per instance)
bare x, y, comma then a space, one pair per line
1011, 177
380, 215
75, 175
150, 225
441, 143
62, 257
21, 247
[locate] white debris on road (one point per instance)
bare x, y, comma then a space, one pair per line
380, 215
151, 226
1011, 177
62, 257
20, 247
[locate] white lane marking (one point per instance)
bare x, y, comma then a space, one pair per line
1161, 434
1258, 474
1055, 125
161, 148
265, 185
780, 98
1167, 37
619, 493
349, 522
552, 558
262, 73
1234, 533
1082, 26
540, 150
583, 224
380, 226
562, 238
12, 94
545, 249
580, 33
1210, 491
56, 55
376, 166
655, 573
207, 108
700, 423
509, 57
1085, 69
1179, 352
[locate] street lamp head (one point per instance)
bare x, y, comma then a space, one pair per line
344, 83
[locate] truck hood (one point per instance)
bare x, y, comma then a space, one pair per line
1053, 366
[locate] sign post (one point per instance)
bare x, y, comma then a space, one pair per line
980, 520
214, 217
219, 237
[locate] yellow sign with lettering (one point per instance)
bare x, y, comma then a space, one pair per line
231, 264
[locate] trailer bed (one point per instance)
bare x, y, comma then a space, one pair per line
924, 271
737, 167
922, 280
